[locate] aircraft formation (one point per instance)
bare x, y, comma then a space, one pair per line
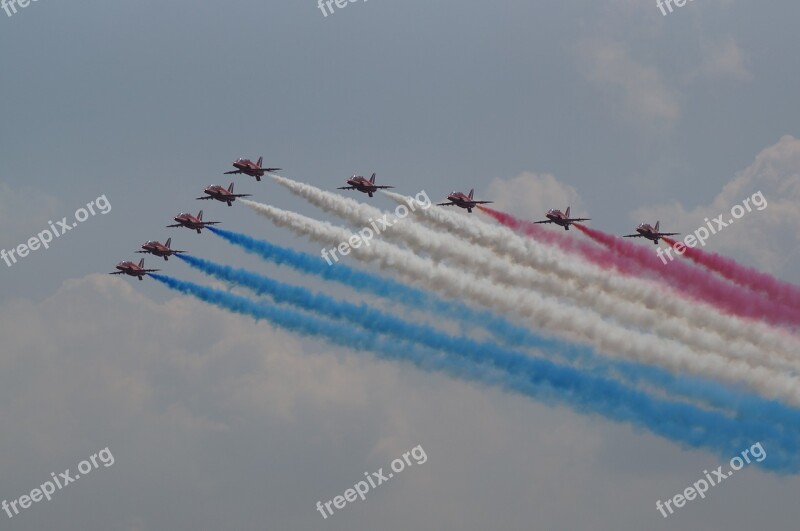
706, 342
195, 223
356, 182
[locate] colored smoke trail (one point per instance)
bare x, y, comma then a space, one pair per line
567, 322
745, 405
385, 288
541, 379
598, 255
747, 339
779, 292
545, 278
505, 331
697, 282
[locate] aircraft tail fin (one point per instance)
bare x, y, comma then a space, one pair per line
567, 212
260, 160
230, 188
169, 242
200, 216
141, 262
471, 191
658, 224
372, 179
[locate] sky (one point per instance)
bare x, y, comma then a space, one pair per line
215, 420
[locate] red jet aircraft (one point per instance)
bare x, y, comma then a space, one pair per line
221, 194
191, 222
645, 230
463, 201
159, 249
253, 169
357, 182
131, 269
561, 219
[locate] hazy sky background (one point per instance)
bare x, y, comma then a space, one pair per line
217, 422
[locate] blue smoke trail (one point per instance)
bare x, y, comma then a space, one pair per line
692, 387
539, 378
749, 405
375, 284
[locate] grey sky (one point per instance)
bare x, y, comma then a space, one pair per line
219, 422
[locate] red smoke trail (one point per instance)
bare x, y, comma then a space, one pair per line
637, 260
698, 283
598, 255
779, 292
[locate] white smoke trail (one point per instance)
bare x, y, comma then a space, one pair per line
550, 281
530, 252
548, 315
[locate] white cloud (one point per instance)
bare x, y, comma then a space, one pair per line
767, 239
640, 87
530, 195
216, 421
724, 59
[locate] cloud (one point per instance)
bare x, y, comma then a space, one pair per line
216, 421
170, 387
724, 59
639, 87
767, 239
530, 195
205, 410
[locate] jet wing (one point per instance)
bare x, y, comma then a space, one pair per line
203, 198
346, 188
211, 222
482, 202
176, 225
445, 204
382, 187
117, 273
575, 220
633, 236
234, 195
149, 270
270, 170
545, 221
233, 172
660, 234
